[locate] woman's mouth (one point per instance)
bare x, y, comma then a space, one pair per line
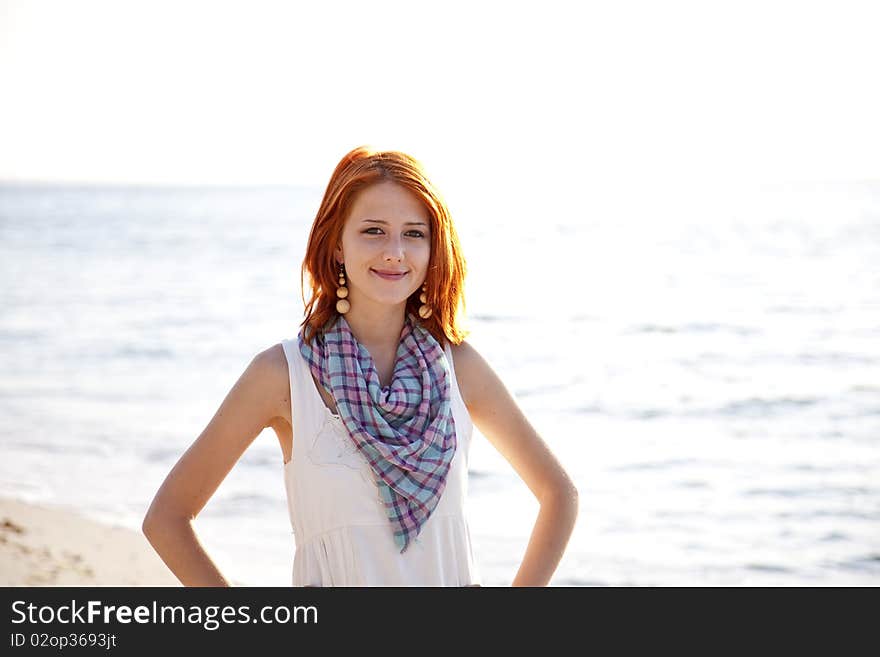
389, 274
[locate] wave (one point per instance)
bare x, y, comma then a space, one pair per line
139, 351
694, 327
768, 568
762, 407
819, 491
750, 407
863, 563
240, 504
655, 465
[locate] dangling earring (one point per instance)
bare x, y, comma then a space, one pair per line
343, 305
425, 309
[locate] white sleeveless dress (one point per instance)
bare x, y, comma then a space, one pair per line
341, 532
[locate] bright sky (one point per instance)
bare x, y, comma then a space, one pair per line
538, 95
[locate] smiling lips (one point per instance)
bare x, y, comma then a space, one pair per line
389, 274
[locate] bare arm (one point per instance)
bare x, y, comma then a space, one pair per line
248, 408
499, 418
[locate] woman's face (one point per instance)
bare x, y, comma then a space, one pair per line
386, 245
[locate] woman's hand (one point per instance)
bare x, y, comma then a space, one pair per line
498, 417
257, 398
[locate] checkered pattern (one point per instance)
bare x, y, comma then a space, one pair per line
406, 431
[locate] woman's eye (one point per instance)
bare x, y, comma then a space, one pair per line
412, 233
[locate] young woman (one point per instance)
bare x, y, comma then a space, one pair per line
374, 404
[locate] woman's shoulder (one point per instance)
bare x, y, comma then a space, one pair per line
470, 369
271, 360
270, 367
461, 351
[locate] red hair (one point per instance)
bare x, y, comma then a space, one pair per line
361, 168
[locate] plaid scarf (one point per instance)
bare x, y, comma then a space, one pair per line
405, 431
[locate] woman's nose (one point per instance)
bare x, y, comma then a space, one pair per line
394, 249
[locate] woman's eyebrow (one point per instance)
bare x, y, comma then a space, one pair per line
407, 223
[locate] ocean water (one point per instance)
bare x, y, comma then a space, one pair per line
708, 372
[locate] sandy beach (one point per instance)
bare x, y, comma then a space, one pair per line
53, 546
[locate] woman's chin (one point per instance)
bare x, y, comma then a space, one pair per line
385, 300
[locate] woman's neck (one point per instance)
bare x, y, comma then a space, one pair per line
377, 327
